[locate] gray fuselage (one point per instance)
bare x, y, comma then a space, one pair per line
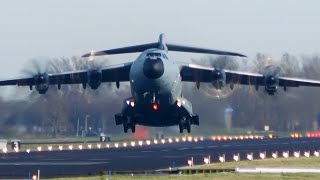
155, 81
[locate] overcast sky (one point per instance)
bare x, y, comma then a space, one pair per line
59, 28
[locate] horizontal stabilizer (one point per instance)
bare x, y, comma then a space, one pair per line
163, 46
181, 48
123, 50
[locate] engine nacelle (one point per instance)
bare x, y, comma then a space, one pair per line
219, 78
94, 78
41, 82
271, 84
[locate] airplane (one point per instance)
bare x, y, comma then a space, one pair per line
156, 83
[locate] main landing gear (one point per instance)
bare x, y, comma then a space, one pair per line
127, 126
128, 122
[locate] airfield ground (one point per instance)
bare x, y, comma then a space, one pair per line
280, 162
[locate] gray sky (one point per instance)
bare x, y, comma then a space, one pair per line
58, 28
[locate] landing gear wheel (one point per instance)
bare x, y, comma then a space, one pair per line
133, 128
125, 128
180, 128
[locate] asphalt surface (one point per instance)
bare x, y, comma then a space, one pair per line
142, 158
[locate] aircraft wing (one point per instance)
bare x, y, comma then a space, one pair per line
113, 73
197, 73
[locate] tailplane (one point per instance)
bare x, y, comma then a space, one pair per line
163, 46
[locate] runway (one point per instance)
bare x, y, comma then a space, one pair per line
142, 158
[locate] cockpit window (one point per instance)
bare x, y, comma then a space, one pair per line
153, 55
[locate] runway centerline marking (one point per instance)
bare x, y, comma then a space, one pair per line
165, 150
199, 147
225, 145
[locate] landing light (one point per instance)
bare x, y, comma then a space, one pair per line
132, 104
179, 104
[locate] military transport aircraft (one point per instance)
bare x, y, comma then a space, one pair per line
156, 83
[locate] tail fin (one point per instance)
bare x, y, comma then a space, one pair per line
163, 46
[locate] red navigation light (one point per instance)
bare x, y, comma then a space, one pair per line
155, 107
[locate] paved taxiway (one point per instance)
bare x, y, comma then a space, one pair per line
141, 158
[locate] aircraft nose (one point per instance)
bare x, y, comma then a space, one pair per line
153, 68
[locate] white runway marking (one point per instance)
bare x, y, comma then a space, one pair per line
146, 151
101, 159
198, 147
182, 149
164, 150
53, 159
132, 156
225, 145
171, 156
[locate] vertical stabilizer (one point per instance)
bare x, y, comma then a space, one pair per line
162, 44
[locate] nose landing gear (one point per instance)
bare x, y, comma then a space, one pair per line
185, 123
127, 126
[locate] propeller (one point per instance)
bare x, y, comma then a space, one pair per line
36, 66
220, 62
208, 90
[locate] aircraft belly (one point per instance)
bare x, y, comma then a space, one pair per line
162, 117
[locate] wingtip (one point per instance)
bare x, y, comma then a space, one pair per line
238, 54
86, 55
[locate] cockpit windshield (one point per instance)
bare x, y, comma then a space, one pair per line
153, 55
